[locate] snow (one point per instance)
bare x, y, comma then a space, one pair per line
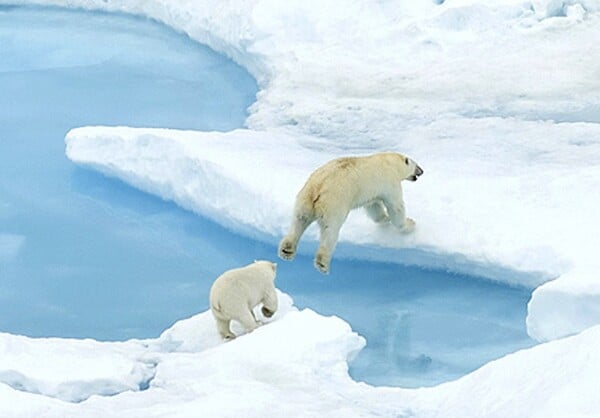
550, 380
498, 102
294, 366
71, 370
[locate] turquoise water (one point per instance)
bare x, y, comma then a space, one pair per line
82, 255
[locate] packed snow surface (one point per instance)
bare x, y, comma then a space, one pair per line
498, 101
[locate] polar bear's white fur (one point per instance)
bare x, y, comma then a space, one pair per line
334, 189
235, 293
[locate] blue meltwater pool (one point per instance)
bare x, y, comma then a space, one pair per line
82, 255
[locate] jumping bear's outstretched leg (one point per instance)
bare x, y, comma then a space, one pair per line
302, 219
330, 229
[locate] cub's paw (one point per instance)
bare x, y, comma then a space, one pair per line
287, 249
409, 226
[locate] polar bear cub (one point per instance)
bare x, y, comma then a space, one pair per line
235, 293
334, 189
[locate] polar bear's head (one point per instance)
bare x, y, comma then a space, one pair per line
268, 265
410, 168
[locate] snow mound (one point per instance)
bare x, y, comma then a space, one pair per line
549, 380
198, 333
72, 370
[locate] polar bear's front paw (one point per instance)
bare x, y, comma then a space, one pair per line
409, 226
322, 263
287, 249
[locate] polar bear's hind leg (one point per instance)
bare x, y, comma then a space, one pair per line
287, 246
224, 330
248, 321
377, 212
330, 226
270, 303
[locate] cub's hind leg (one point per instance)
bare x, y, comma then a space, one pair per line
224, 330
248, 321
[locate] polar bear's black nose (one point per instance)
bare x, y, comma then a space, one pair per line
418, 171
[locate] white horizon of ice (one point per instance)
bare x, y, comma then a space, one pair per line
481, 92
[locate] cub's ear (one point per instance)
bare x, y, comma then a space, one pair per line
274, 265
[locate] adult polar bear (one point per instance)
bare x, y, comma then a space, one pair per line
334, 189
235, 293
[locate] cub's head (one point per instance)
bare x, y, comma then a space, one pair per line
410, 168
267, 265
